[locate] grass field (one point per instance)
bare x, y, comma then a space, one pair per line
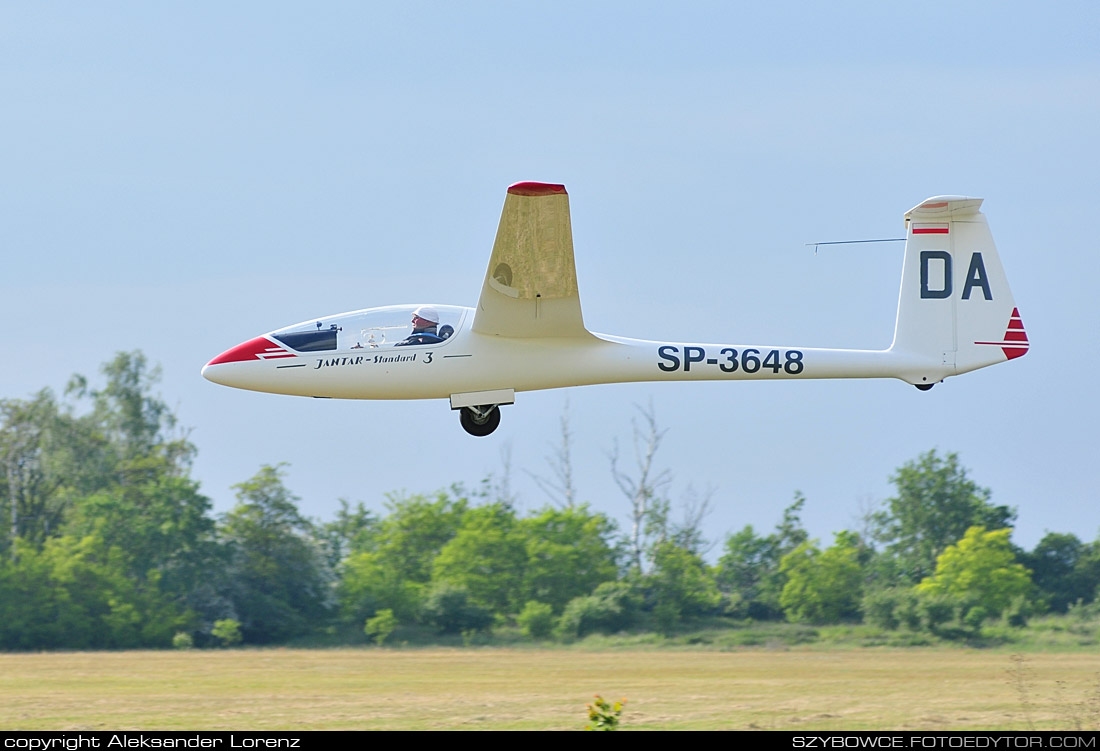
476, 689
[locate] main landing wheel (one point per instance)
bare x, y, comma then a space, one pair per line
481, 420
924, 386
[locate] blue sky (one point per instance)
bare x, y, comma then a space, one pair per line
179, 177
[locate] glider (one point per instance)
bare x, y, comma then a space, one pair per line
955, 314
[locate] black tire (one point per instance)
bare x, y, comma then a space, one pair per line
479, 426
924, 386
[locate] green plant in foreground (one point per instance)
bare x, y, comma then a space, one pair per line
603, 715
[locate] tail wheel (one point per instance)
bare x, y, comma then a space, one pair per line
479, 421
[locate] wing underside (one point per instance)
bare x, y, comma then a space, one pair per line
530, 287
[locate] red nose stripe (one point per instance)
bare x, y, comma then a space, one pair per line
259, 348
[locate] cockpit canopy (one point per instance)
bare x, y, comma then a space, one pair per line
373, 328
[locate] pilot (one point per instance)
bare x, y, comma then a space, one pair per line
425, 321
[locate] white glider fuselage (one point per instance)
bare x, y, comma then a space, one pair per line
955, 314
471, 362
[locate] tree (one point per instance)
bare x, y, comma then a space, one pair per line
612, 607
449, 609
935, 505
390, 563
749, 570
49, 460
135, 423
417, 528
28, 432
822, 586
1061, 570
642, 489
982, 568
681, 584
560, 485
279, 580
74, 592
486, 557
568, 554
353, 529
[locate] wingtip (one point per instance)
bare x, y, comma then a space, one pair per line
536, 189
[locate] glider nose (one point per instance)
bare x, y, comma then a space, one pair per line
234, 367
215, 373
221, 369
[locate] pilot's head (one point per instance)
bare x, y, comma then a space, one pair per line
425, 317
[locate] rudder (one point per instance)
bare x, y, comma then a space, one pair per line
955, 311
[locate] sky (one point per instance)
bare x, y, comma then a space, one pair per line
179, 177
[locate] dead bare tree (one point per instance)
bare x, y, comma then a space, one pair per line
696, 508
559, 486
498, 489
643, 487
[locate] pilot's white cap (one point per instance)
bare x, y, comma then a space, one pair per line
428, 313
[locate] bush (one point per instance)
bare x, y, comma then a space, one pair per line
183, 640
536, 620
228, 631
975, 617
448, 609
906, 609
666, 617
380, 626
936, 611
612, 607
1018, 611
892, 609
879, 609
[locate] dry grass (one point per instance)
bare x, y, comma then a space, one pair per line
477, 689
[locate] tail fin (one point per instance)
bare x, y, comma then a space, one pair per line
956, 312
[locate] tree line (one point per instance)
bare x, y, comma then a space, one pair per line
109, 543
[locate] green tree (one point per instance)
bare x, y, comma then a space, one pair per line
389, 563
486, 557
749, 569
935, 504
416, 529
75, 593
368, 583
135, 422
822, 586
449, 608
1061, 570
982, 568
568, 554
48, 459
105, 494
681, 584
278, 576
353, 529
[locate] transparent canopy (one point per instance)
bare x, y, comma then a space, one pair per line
374, 328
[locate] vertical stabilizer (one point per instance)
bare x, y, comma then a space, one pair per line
955, 311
